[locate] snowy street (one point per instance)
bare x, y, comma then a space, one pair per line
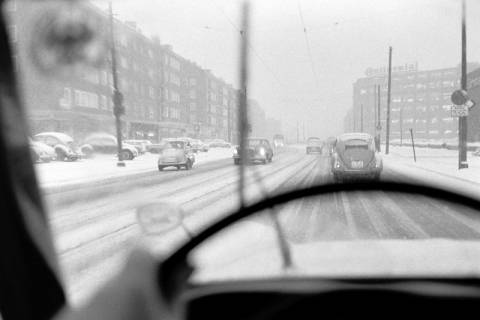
92, 237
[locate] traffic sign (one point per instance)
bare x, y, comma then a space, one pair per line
470, 104
459, 111
459, 97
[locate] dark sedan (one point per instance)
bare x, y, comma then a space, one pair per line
258, 150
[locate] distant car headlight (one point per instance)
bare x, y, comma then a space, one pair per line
261, 151
337, 164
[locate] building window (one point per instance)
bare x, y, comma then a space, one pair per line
193, 106
104, 78
193, 94
151, 92
66, 99
174, 96
421, 86
193, 81
103, 102
174, 63
213, 96
175, 79
123, 62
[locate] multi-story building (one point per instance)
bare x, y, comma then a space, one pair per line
420, 100
165, 94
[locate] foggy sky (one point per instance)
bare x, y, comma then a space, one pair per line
346, 37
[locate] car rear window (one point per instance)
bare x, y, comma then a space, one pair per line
357, 144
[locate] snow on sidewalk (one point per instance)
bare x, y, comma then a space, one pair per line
437, 166
56, 174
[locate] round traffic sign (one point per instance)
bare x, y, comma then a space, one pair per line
459, 97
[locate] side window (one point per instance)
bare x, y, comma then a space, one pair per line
51, 141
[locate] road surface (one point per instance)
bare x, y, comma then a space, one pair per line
95, 229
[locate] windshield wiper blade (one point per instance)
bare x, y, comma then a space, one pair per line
243, 127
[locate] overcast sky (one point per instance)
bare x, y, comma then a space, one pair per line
345, 38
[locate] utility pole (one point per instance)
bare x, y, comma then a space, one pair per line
374, 108
387, 141
361, 117
379, 123
243, 123
117, 97
401, 125
462, 121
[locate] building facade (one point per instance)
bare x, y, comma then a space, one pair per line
165, 95
420, 100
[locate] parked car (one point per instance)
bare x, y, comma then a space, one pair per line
355, 157
314, 145
176, 153
140, 145
219, 143
62, 143
258, 150
203, 146
107, 143
41, 152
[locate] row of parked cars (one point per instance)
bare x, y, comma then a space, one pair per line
49, 146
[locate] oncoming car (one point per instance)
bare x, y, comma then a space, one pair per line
314, 145
278, 141
258, 150
355, 157
176, 153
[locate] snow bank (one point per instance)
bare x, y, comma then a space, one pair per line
438, 166
101, 167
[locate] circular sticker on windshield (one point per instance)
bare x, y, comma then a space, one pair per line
68, 36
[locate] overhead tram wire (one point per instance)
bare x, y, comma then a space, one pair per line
307, 43
255, 53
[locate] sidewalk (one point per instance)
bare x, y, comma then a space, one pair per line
435, 166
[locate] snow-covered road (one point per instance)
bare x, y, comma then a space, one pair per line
94, 233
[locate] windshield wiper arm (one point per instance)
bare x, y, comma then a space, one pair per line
243, 125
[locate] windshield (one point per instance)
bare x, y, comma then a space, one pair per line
344, 90
256, 142
174, 145
314, 141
